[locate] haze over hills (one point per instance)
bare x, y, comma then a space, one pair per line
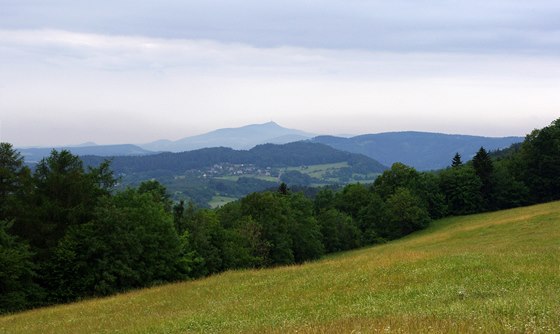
33, 155
242, 138
421, 150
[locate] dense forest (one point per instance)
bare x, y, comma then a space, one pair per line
66, 234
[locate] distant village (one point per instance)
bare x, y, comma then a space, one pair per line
228, 169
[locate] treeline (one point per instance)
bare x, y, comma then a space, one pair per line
65, 235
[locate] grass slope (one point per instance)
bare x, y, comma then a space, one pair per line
496, 272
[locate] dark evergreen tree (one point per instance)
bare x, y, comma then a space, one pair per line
283, 188
64, 195
484, 169
15, 183
456, 162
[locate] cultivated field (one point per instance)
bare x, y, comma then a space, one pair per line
496, 272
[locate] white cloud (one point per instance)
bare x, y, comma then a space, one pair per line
67, 87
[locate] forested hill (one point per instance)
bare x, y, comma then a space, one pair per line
421, 150
267, 155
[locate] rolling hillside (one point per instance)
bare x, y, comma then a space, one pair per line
267, 155
495, 272
421, 150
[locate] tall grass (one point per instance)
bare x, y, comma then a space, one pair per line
489, 273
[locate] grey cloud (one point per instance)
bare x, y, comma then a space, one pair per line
401, 25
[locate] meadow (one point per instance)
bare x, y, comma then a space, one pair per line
487, 273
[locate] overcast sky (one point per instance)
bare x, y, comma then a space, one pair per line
74, 71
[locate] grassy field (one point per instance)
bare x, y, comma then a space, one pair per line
319, 171
489, 273
220, 200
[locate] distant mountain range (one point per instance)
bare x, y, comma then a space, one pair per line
242, 138
33, 155
421, 150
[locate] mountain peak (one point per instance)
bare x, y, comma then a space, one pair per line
244, 137
267, 125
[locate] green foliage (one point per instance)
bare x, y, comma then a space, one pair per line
304, 230
540, 162
338, 230
206, 236
129, 243
461, 188
429, 193
271, 212
399, 176
324, 199
64, 195
508, 191
16, 272
373, 220
353, 199
405, 213
484, 169
15, 182
158, 191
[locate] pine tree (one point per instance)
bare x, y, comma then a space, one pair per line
456, 162
484, 168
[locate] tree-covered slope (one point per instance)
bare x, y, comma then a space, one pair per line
267, 155
421, 150
494, 272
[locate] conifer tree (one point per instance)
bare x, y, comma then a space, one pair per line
484, 168
456, 162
